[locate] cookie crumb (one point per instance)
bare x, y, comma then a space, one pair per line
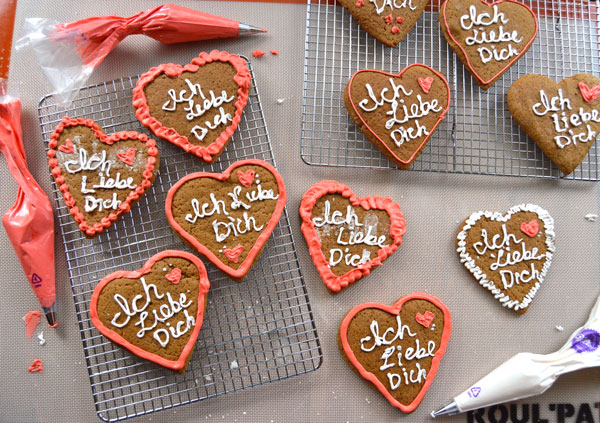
258, 53
591, 217
234, 365
559, 328
280, 100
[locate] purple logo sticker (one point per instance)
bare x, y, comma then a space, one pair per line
586, 341
475, 391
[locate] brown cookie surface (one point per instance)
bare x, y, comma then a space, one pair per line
229, 216
348, 236
563, 118
398, 113
488, 38
397, 348
101, 176
389, 21
509, 254
197, 106
155, 312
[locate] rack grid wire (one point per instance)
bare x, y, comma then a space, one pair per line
478, 135
255, 332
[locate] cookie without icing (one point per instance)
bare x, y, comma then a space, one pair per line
155, 312
386, 20
509, 254
197, 106
488, 37
398, 113
397, 348
228, 217
100, 176
563, 118
348, 236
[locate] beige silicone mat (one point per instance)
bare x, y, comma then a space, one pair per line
484, 334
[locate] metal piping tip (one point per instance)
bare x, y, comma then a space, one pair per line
245, 29
450, 409
51, 316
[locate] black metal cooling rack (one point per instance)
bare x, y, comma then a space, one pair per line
255, 332
478, 135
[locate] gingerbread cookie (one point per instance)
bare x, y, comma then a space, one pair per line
563, 119
228, 217
348, 236
397, 348
155, 312
488, 37
197, 106
508, 254
387, 21
101, 176
398, 113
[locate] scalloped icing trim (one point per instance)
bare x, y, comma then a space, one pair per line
511, 62
256, 249
480, 275
397, 230
214, 149
134, 195
395, 310
203, 287
431, 130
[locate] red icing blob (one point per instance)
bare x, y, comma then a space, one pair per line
258, 53
36, 366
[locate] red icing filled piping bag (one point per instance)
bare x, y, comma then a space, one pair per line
69, 52
29, 223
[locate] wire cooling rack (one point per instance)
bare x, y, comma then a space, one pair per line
478, 135
255, 332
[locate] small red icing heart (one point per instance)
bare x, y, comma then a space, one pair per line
67, 147
36, 366
233, 254
425, 83
127, 156
389, 19
531, 228
589, 94
425, 319
246, 177
360, 3
174, 276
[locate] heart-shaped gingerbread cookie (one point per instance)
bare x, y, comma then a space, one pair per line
563, 119
388, 21
398, 113
394, 349
100, 175
228, 217
348, 236
488, 37
508, 254
155, 312
197, 106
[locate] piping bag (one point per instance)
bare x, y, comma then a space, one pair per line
69, 52
29, 223
528, 374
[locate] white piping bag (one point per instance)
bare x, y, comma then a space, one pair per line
527, 374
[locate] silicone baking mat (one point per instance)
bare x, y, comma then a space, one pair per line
255, 332
478, 135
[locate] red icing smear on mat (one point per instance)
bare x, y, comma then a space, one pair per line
36, 366
258, 53
32, 319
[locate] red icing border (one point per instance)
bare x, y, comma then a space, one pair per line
395, 310
397, 230
203, 287
431, 130
142, 110
510, 63
134, 195
241, 271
